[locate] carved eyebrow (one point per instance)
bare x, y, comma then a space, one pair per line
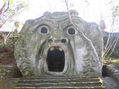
36, 29
67, 26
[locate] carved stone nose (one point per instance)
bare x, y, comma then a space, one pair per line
54, 40
64, 40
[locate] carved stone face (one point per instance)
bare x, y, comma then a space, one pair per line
52, 45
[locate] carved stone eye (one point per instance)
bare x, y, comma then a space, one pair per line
44, 30
71, 31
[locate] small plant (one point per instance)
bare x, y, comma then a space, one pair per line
114, 61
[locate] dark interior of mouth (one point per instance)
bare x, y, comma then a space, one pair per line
55, 60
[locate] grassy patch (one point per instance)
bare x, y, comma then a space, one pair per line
114, 61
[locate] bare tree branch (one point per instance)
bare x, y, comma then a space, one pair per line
1, 10
81, 33
7, 8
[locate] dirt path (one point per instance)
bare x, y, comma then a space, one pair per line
110, 83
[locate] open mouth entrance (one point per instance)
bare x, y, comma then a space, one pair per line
55, 59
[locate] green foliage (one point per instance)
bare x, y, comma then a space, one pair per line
11, 40
11, 1
105, 57
114, 61
116, 11
9, 9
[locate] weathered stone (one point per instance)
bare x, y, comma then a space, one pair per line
54, 44
8, 71
60, 83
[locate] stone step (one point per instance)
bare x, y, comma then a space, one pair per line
45, 81
60, 83
99, 87
59, 80
8, 71
59, 77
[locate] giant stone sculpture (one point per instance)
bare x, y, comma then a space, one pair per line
55, 44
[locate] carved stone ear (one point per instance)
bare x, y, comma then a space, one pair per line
102, 24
